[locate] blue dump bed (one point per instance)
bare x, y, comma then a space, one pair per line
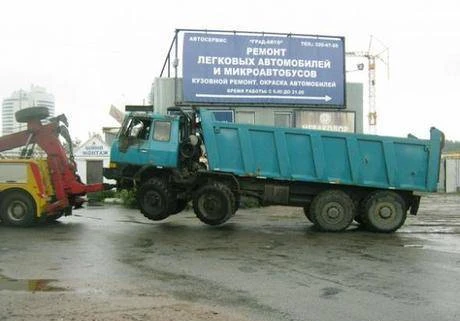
296, 154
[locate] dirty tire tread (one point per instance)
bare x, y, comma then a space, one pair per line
347, 208
161, 189
226, 197
361, 211
233, 200
389, 197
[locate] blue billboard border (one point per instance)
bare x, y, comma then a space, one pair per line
168, 63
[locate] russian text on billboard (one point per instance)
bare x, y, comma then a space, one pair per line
219, 68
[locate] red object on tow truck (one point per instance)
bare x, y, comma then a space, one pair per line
62, 168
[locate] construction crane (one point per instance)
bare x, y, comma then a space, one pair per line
372, 56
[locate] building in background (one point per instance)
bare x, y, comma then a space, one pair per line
91, 157
449, 173
36, 97
167, 91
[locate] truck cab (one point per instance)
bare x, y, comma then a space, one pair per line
150, 142
143, 133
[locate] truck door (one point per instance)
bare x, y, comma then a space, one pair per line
143, 141
165, 143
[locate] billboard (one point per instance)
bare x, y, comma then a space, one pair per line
232, 68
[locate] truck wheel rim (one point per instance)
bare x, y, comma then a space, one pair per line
385, 212
17, 210
333, 213
153, 200
210, 205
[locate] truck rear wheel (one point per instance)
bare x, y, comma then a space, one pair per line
384, 211
214, 204
332, 211
17, 209
154, 199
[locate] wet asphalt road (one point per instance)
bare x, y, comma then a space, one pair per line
264, 264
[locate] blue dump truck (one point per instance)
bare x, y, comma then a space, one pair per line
171, 160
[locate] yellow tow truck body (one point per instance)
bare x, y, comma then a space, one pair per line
29, 178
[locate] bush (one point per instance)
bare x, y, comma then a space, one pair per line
128, 198
100, 196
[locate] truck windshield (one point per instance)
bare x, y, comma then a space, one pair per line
137, 128
162, 130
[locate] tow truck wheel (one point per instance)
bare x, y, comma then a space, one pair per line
32, 113
153, 198
385, 211
213, 204
332, 211
17, 209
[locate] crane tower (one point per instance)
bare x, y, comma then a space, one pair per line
372, 57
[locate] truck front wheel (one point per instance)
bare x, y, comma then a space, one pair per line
153, 198
17, 209
332, 211
384, 211
214, 204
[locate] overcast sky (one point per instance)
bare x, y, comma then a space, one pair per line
91, 54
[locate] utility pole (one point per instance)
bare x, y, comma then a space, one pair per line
372, 57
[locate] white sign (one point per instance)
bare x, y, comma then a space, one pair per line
336, 121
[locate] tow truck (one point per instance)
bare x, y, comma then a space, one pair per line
33, 188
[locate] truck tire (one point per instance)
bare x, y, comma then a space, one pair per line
214, 204
17, 209
384, 211
307, 212
32, 113
361, 210
332, 211
154, 199
233, 200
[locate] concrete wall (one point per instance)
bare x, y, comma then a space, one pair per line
452, 175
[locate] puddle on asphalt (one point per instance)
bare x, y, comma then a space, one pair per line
33, 285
